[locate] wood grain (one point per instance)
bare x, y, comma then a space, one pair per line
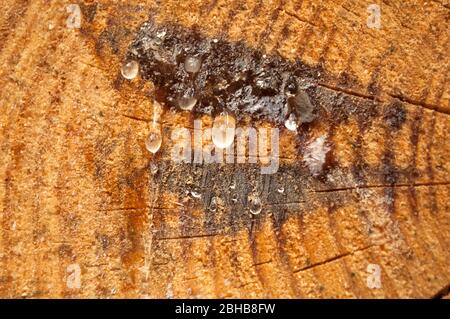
76, 184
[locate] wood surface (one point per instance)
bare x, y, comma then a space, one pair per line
76, 185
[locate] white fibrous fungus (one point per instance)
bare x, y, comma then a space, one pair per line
315, 154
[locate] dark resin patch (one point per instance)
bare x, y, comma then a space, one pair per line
232, 76
266, 87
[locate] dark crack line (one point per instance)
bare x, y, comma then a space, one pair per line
432, 107
335, 258
187, 237
122, 209
442, 292
349, 92
378, 186
297, 17
262, 263
136, 118
404, 99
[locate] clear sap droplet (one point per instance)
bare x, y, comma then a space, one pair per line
192, 64
254, 204
153, 168
187, 103
213, 204
291, 122
196, 194
223, 130
130, 69
154, 139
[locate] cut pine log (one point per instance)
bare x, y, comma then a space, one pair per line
87, 211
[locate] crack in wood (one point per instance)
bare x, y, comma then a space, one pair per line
442, 292
335, 258
298, 18
378, 186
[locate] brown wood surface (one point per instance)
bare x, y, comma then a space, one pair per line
75, 184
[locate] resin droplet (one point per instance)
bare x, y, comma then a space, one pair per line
130, 70
280, 190
157, 111
213, 204
196, 194
187, 103
254, 204
223, 130
154, 140
192, 64
291, 122
153, 168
